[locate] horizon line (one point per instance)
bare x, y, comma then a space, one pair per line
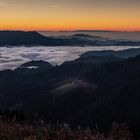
78, 30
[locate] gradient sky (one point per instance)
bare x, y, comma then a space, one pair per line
70, 14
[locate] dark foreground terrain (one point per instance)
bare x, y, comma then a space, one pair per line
89, 91
24, 131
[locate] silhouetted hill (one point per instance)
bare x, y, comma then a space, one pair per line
18, 38
122, 53
38, 64
97, 59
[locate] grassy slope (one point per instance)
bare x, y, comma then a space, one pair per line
15, 131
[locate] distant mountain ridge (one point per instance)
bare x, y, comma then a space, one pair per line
14, 38
95, 31
32, 38
85, 35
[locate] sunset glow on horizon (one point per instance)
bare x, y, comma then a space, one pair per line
118, 15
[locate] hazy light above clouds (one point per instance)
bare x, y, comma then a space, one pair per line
69, 14
11, 58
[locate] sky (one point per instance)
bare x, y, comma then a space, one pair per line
122, 15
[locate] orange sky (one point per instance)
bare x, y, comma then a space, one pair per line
121, 15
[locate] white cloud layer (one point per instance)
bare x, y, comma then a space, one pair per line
12, 57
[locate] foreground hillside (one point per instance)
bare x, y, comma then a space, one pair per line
24, 131
86, 92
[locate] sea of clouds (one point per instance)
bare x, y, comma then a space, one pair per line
12, 57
